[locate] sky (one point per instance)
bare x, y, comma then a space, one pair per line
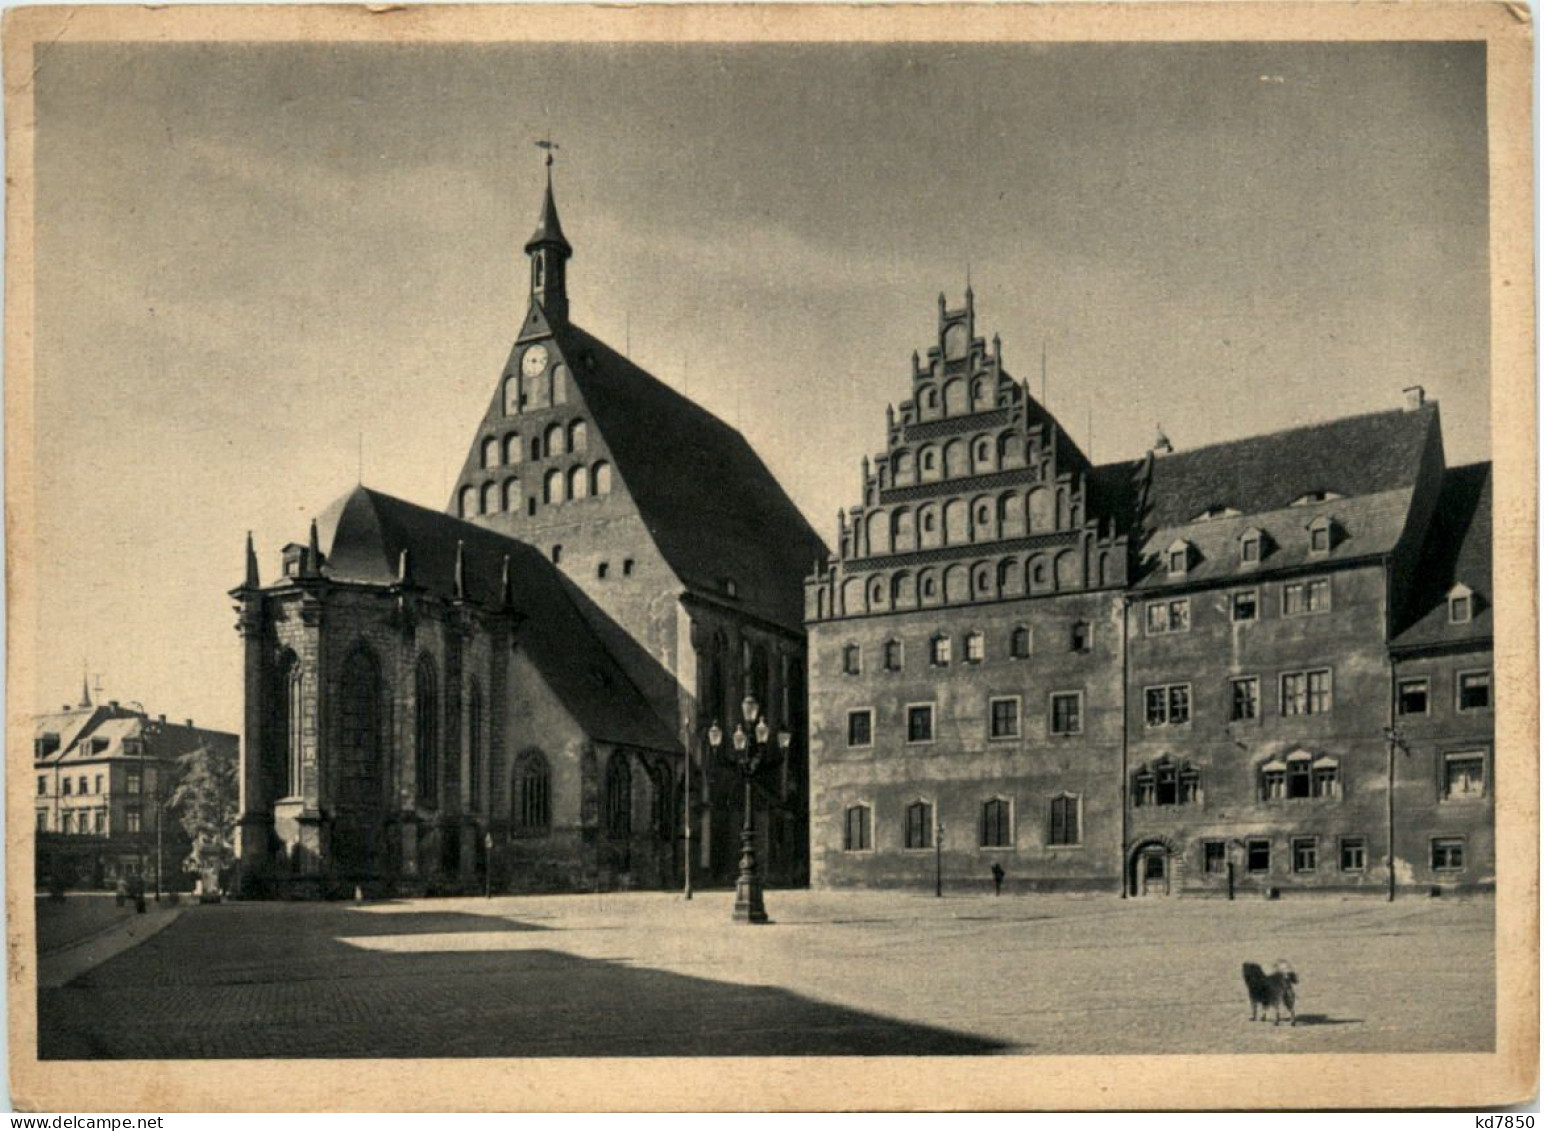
263, 270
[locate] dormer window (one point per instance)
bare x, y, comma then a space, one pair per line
1251, 547
1312, 497
1321, 535
1215, 511
1178, 558
1460, 601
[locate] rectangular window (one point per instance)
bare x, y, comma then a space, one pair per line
1005, 717
1019, 643
42, 787
1246, 605
1082, 636
1064, 821
1460, 610
1463, 775
1258, 857
1305, 854
1301, 598
1473, 691
1067, 712
857, 831
1414, 696
860, 727
1307, 693
1168, 616
131, 782
919, 825
892, 655
1447, 854
1319, 539
852, 660
1168, 705
42, 820
132, 817
1214, 854
65, 786
99, 783
1244, 698
100, 820
919, 723
1250, 550
975, 648
1353, 854
996, 824
942, 651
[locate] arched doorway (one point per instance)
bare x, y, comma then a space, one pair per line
1151, 870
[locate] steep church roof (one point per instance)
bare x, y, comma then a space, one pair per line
713, 508
363, 536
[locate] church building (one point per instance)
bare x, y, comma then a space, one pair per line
516, 690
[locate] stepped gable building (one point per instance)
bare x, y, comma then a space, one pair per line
689, 554
617, 570
1193, 672
104, 774
965, 645
417, 684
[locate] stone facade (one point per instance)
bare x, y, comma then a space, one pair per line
1235, 623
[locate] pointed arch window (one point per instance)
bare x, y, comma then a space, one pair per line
619, 796
489, 502
294, 718
578, 435
579, 482
532, 794
474, 746
490, 452
600, 479
552, 487
552, 441
512, 494
426, 736
512, 449
360, 782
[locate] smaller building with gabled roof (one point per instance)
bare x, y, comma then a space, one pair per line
105, 774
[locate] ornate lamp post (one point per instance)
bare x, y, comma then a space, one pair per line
750, 751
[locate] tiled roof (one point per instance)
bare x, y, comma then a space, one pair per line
1457, 552
714, 509
363, 535
98, 733
1366, 466
1358, 455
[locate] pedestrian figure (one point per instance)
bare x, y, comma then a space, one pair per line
122, 891
997, 877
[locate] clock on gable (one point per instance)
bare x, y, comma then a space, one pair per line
534, 361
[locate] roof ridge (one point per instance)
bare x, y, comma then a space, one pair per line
1311, 426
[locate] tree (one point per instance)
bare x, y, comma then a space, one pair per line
205, 802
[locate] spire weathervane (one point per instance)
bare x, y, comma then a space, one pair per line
549, 145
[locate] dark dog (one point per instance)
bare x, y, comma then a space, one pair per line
1271, 991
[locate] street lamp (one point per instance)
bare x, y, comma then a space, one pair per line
488, 865
750, 751
938, 859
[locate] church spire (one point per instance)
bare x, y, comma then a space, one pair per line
549, 251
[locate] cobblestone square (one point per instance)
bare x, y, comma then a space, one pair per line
648, 974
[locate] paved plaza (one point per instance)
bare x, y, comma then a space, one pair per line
647, 974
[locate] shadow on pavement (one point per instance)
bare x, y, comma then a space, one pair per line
219, 985
1325, 1019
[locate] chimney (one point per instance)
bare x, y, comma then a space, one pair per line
190, 724
1161, 444
1415, 397
113, 703
161, 719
